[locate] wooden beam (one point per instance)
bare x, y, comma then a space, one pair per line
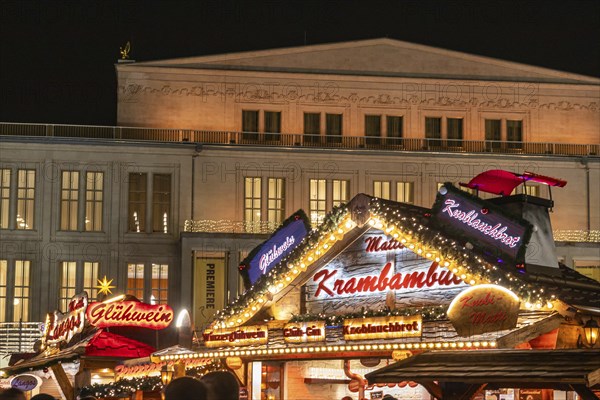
460, 391
63, 381
585, 392
526, 333
433, 388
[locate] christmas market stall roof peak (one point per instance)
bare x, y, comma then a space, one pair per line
425, 232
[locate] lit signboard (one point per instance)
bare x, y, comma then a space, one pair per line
268, 254
304, 332
484, 308
488, 224
383, 327
129, 313
242, 336
61, 327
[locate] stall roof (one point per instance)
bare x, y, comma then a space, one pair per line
499, 368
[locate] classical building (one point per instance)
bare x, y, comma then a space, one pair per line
212, 153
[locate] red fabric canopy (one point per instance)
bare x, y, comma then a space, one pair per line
106, 344
498, 181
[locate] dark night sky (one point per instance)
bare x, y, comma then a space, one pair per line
57, 58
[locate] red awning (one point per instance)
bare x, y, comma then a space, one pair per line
498, 181
106, 344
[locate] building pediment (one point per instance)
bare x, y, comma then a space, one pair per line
376, 57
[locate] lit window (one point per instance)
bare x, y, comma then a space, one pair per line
4, 197
317, 201
137, 202
94, 198
21, 292
276, 200
531, 190
252, 203
160, 284
135, 280
90, 279
68, 284
161, 202
381, 189
25, 198
3, 289
405, 192
340, 192
69, 199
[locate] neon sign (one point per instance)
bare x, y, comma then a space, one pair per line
130, 313
304, 332
62, 327
459, 213
271, 252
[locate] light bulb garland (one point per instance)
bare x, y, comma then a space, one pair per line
314, 246
414, 233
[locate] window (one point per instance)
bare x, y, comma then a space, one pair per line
137, 202
276, 200
3, 288
161, 202
272, 125
90, 279
312, 127
25, 198
531, 190
160, 284
373, 129
433, 130
340, 192
249, 125
252, 203
21, 293
405, 192
333, 128
381, 189
514, 134
135, 280
4, 197
455, 132
493, 132
68, 284
68, 200
394, 130
317, 200
94, 187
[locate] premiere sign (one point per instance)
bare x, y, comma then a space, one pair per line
491, 226
242, 336
304, 332
484, 308
130, 313
392, 327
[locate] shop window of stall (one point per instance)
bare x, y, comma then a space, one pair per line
267, 380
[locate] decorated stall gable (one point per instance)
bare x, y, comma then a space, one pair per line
130, 313
285, 239
480, 222
484, 308
372, 269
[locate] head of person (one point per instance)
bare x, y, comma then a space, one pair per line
12, 394
185, 387
222, 385
43, 396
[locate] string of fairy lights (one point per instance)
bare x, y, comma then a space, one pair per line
434, 313
409, 230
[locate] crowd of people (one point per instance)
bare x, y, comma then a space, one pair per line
218, 385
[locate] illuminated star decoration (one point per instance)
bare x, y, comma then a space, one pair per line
104, 286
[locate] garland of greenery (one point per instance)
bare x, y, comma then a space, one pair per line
434, 313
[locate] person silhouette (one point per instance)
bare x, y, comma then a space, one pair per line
185, 388
221, 385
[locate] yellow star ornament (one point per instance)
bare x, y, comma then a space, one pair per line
104, 286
